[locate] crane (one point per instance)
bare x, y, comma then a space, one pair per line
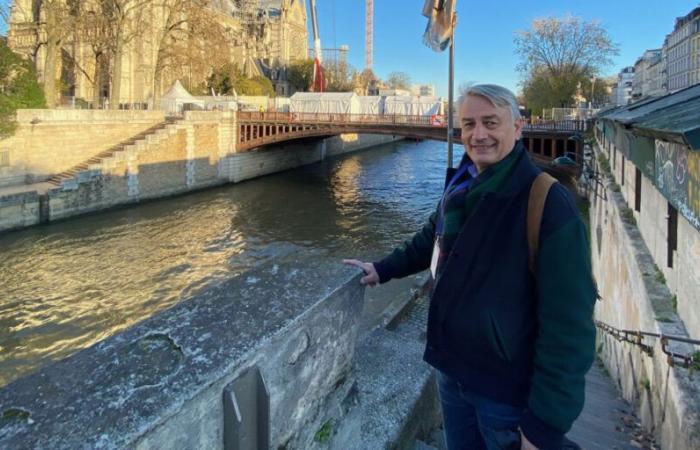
319, 84
369, 32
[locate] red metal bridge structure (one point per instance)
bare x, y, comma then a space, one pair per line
544, 140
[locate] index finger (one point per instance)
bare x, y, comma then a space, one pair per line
354, 262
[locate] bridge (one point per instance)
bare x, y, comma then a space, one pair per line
544, 140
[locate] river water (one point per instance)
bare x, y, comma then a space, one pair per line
70, 284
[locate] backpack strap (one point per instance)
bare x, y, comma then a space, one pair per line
535, 208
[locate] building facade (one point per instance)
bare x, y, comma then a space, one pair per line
647, 74
260, 36
622, 91
427, 90
682, 49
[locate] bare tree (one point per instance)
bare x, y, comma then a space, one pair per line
558, 55
94, 30
127, 22
57, 21
189, 36
399, 80
564, 46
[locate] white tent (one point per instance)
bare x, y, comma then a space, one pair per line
174, 100
413, 106
324, 103
373, 105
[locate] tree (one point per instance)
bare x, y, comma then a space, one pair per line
19, 87
338, 76
190, 41
399, 80
363, 81
300, 74
126, 21
229, 78
558, 55
59, 21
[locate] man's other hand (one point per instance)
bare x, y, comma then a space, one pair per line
371, 277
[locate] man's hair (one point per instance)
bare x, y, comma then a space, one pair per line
497, 95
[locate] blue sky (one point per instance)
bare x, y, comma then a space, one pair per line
484, 49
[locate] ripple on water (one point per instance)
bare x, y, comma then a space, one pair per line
71, 284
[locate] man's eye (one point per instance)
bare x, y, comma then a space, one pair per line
467, 124
490, 123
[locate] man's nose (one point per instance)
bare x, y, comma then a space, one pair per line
479, 133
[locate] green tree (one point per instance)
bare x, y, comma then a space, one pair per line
399, 80
18, 88
558, 56
300, 74
229, 78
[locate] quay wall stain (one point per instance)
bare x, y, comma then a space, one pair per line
629, 258
160, 384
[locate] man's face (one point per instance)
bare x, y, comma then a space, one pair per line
488, 132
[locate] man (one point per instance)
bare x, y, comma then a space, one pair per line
511, 346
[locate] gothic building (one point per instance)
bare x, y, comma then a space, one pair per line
262, 37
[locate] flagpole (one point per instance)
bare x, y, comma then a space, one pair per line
450, 96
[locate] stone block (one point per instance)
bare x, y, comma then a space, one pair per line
160, 384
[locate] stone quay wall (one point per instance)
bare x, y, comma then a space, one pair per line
161, 384
635, 296
51, 141
190, 154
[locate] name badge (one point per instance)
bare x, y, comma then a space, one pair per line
434, 259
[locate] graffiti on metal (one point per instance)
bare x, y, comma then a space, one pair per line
677, 176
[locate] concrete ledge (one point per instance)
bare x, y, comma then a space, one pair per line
159, 384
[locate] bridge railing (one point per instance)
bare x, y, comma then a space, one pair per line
298, 117
557, 125
434, 120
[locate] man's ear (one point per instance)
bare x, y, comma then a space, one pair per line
519, 123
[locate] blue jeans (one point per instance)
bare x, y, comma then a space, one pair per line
473, 422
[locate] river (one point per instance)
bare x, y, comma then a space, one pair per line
68, 285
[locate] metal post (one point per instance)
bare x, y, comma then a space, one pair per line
450, 97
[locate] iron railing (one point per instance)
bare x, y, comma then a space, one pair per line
435, 120
637, 338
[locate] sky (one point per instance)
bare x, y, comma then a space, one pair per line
484, 50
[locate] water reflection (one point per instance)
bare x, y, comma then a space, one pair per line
68, 285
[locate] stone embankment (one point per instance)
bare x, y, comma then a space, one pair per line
635, 297
95, 160
279, 343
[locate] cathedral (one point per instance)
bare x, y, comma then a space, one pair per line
261, 37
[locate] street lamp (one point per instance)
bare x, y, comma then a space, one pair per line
590, 103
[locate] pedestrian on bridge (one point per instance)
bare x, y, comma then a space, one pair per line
510, 323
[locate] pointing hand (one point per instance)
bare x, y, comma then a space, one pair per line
371, 277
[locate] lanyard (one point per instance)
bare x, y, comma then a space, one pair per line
450, 190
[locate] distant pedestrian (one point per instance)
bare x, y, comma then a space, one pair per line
511, 341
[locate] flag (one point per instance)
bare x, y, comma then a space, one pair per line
438, 33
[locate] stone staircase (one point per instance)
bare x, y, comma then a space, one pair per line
96, 161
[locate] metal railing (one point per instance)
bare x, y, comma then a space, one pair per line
637, 338
435, 120
340, 118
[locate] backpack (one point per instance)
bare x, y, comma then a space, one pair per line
535, 208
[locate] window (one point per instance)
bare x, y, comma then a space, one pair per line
622, 166
672, 241
5, 158
637, 189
